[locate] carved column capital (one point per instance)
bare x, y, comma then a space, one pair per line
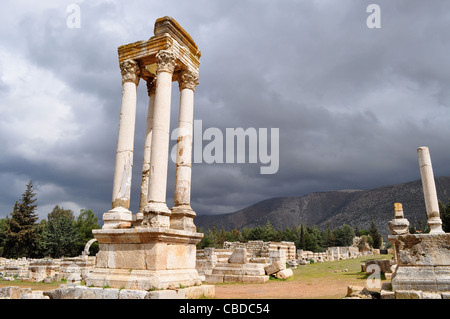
151, 86
188, 79
166, 61
130, 71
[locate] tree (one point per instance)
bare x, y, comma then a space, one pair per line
445, 216
60, 234
3, 226
22, 232
86, 222
344, 235
373, 232
302, 241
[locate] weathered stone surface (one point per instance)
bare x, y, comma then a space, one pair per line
385, 294
239, 256
274, 267
408, 294
431, 295
284, 274
422, 249
384, 266
83, 292
362, 293
424, 278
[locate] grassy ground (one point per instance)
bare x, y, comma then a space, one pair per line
32, 285
326, 280
327, 270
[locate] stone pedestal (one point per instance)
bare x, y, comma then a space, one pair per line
423, 262
145, 258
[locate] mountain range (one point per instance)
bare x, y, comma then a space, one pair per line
352, 207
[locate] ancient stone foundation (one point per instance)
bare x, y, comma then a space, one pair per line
423, 262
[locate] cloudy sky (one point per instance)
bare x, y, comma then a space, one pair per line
352, 103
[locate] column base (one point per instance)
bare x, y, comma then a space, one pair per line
145, 258
156, 215
118, 217
182, 217
435, 224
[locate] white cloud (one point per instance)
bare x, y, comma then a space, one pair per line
34, 117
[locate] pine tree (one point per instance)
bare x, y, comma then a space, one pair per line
373, 232
22, 231
60, 234
302, 237
445, 216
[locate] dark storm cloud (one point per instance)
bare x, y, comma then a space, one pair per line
352, 104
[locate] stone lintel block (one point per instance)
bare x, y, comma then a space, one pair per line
167, 34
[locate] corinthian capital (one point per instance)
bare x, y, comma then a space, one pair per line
130, 71
188, 79
166, 61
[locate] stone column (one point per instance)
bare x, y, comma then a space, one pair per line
429, 190
151, 88
156, 213
120, 216
182, 214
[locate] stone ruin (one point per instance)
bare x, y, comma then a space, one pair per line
262, 259
154, 249
423, 260
71, 269
421, 265
259, 248
240, 265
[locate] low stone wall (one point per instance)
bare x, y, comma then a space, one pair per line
259, 248
47, 269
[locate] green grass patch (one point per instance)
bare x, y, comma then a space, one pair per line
335, 269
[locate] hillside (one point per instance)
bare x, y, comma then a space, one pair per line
353, 207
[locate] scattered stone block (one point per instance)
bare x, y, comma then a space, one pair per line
408, 294
431, 295
284, 274
385, 294
274, 267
